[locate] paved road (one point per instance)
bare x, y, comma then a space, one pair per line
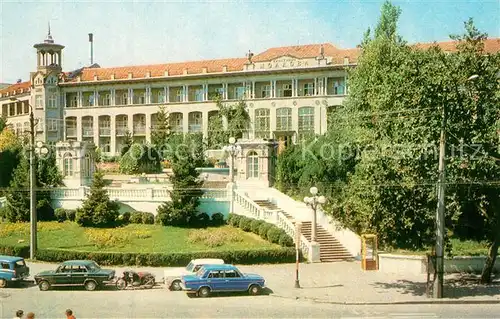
337, 282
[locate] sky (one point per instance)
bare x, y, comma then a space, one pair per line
151, 32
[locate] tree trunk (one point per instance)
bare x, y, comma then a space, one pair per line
490, 261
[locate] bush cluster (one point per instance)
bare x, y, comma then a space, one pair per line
62, 214
264, 229
242, 257
137, 218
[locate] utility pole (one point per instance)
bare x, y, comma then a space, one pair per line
438, 283
33, 219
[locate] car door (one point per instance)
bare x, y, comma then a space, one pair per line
234, 281
78, 275
62, 276
216, 280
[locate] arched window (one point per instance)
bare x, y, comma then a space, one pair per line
306, 122
68, 164
252, 165
284, 119
87, 166
262, 123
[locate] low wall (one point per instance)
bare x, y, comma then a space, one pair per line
413, 264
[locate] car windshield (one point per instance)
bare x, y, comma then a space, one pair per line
190, 267
200, 272
93, 266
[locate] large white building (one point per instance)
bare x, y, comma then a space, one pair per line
288, 91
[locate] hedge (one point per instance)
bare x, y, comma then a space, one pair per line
242, 257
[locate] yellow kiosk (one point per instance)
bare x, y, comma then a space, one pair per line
369, 252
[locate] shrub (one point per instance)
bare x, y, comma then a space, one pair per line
234, 220
263, 229
60, 214
217, 219
254, 226
44, 210
213, 237
285, 240
201, 220
148, 218
273, 234
135, 218
245, 223
125, 218
71, 214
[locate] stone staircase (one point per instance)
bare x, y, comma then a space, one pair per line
330, 248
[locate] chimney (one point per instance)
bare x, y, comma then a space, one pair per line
166, 73
19, 81
91, 40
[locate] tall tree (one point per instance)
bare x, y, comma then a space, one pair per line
181, 210
232, 120
161, 133
97, 209
127, 143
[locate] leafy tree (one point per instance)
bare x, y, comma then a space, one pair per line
182, 209
10, 148
18, 192
97, 209
3, 123
127, 143
161, 133
140, 158
237, 118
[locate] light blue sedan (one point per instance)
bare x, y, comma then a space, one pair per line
221, 278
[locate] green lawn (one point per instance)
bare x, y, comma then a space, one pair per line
459, 248
132, 238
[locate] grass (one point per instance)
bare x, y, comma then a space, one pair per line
459, 248
132, 238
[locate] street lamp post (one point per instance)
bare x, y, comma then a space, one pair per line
440, 212
298, 229
314, 202
233, 150
33, 217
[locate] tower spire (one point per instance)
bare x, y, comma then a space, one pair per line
49, 36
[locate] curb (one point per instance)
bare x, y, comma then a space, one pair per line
386, 303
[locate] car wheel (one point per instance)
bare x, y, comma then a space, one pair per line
3, 283
44, 285
90, 285
176, 285
204, 292
150, 282
254, 290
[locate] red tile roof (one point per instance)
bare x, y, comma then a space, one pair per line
17, 88
490, 45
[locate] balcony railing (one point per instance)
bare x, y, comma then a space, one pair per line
121, 130
88, 132
104, 131
71, 131
140, 129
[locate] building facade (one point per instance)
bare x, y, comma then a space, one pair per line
289, 92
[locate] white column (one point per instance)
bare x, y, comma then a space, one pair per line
96, 98
326, 85
253, 90
204, 123
167, 94
130, 123
185, 122
112, 126
315, 86
80, 98
205, 92
186, 93
79, 128
148, 128
130, 96
148, 95
225, 87
95, 128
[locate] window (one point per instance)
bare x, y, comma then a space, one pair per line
308, 89
306, 122
52, 125
125, 98
239, 92
262, 124
216, 274
5, 266
176, 122
52, 101
68, 165
232, 274
91, 100
87, 165
161, 96
195, 121
179, 95
219, 92
284, 119
104, 99
266, 91
338, 87
73, 101
252, 165
140, 98
39, 101
287, 90
199, 95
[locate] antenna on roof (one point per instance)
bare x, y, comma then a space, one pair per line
91, 40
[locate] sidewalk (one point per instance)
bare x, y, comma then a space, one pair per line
346, 283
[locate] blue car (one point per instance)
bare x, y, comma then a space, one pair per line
221, 278
12, 269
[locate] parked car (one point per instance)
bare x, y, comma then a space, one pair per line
85, 273
12, 269
221, 278
172, 277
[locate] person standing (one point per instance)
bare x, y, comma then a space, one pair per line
19, 314
69, 314
30, 315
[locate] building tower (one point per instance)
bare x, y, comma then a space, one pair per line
46, 98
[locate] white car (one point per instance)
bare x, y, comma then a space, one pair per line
172, 277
